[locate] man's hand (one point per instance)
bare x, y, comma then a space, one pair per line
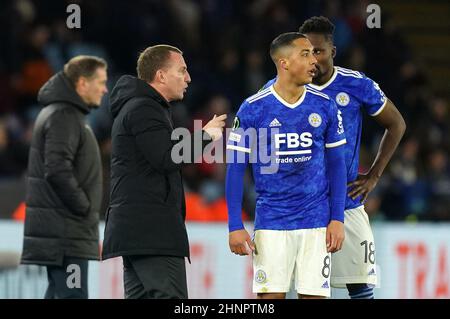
335, 236
239, 240
215, 127
363, 185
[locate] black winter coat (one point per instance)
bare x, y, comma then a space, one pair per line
64, 182
147, 211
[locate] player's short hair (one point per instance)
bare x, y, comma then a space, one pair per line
320, 25
82, 66
282, 41
153, 59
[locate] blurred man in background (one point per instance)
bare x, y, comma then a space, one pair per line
145, 220
64, 185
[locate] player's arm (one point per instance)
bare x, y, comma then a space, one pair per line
337, 179
238, 150
337, 174
239, 238
390, 118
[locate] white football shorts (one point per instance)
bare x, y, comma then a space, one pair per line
285, 255
355, 262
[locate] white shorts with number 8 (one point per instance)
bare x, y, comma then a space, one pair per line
285, 255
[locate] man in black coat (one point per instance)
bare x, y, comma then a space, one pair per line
64, 183
145, 221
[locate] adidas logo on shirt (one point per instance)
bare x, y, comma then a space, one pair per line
325, 285
274, 123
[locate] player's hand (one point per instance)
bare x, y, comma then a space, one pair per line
363, 185
215, 127
335, 236
240, 242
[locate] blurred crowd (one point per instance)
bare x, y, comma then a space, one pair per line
225, 45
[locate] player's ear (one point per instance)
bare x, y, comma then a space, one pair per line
160, 77
81, 83
333, 51
283, 64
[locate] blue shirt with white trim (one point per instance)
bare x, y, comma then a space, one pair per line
285, 145
353, 92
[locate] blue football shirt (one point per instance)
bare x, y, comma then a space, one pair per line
285, 145
353, 92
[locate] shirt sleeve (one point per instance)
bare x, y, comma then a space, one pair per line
239, 147
337, 175
373, 98
243, 133
335, 135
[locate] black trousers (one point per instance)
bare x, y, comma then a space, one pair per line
154, 277
69, 281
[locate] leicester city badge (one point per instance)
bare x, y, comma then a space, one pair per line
342, 99
260, 276
315, 120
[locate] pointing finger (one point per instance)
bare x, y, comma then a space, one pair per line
221, 117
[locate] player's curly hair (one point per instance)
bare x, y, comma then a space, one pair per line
321, 25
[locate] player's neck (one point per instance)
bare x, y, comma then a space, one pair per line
288, 91
324, 78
